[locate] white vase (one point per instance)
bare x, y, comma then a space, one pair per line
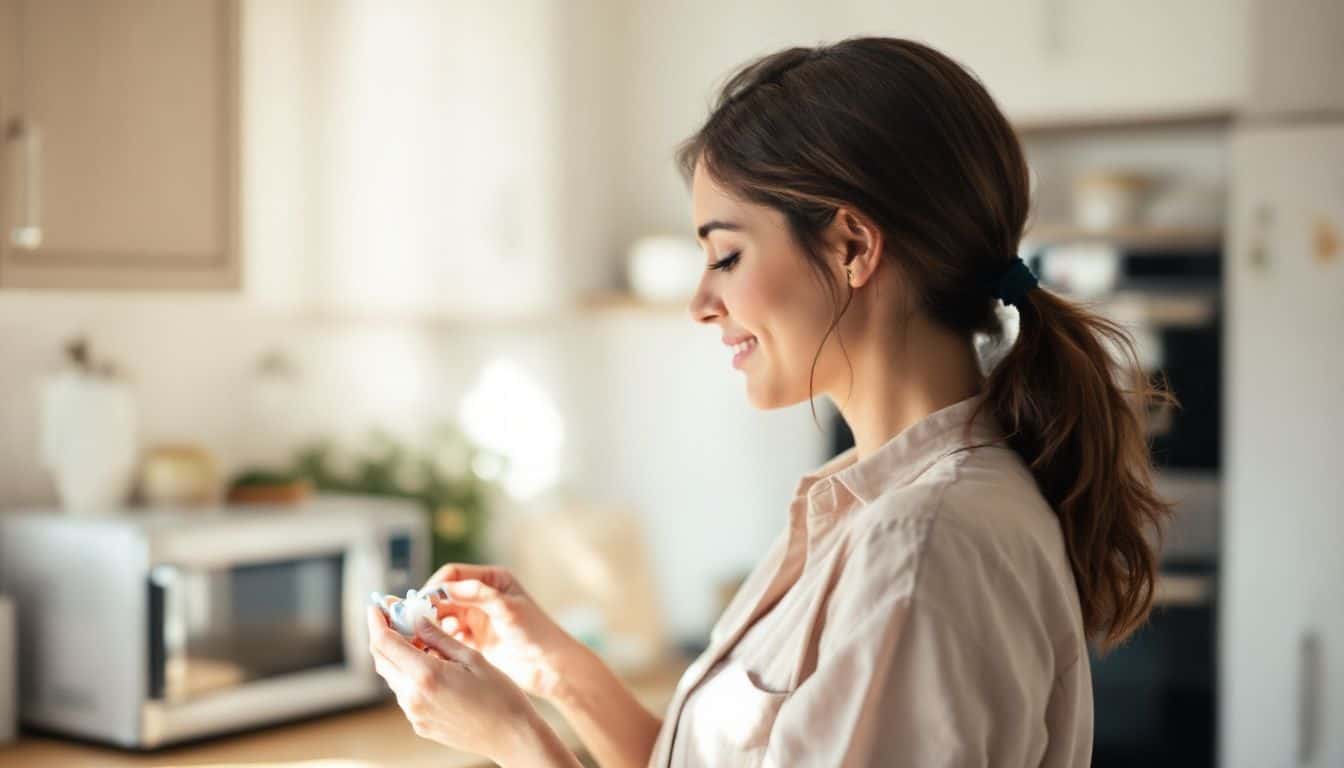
88, 441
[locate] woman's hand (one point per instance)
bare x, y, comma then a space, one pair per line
452, 695
491, 613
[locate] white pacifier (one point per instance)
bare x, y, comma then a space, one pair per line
403, 613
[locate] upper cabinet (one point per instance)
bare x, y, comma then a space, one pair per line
1048, 61
1297, 59
120, 125
420, 158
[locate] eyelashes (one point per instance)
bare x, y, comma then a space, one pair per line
727, 262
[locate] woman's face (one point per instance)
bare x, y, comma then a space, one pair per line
765, 297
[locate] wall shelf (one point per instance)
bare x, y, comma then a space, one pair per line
628, 302
1155, 309
1071, 125
1150, 238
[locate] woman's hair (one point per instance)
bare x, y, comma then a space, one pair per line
909, 139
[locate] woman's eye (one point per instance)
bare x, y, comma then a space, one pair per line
727, 262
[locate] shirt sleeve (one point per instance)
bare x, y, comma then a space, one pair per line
903, 678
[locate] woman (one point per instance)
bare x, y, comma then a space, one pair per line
932, 597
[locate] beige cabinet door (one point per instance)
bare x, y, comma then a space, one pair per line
120, 125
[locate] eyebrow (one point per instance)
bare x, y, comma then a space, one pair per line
710, 226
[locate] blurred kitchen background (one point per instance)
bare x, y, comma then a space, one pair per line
267, 250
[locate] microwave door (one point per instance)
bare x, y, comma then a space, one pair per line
237, 640
224, 627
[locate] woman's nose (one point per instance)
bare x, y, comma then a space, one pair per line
705, 307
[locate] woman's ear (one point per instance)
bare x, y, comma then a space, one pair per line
856, 243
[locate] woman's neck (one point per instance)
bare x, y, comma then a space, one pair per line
898, 381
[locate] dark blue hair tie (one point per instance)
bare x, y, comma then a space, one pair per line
1011, 285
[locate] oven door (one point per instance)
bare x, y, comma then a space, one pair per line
256, 622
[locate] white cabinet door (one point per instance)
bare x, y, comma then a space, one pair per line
1046, 60
435, 155
427, 158
119, 166
1282, 626
1142, 57
1297, 57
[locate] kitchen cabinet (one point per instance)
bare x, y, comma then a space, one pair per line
432, 156
1297, 59
120, 144
1051, 61
415, 158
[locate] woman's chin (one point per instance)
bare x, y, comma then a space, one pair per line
766, 398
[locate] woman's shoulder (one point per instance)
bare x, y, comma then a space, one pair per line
973, 541
977, 513
979, 491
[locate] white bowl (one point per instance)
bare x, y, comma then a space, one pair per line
664, 268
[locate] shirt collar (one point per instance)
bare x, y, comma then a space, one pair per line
904, 457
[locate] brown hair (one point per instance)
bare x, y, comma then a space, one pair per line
904, 135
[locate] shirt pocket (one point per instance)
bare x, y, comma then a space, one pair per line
735, 715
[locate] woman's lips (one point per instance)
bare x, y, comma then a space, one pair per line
742, 350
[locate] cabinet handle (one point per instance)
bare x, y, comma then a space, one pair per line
27, 235
1309, 687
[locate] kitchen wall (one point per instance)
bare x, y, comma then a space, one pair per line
656, 419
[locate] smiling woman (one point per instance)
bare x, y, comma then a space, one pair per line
933, 596
861, 205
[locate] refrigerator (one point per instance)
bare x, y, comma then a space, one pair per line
1282, 621
1281, 633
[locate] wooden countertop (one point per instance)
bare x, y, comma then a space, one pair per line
372, 737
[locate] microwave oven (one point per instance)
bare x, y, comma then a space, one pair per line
150, 628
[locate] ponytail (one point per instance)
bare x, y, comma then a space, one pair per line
1073, 401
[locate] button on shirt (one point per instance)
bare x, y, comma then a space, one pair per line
919, 610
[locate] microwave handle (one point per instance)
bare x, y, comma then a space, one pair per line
166, 628
365, 569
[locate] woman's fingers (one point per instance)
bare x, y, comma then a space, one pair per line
488, 574
392, 646
477, 622
434, 637
377, 627
472, 592
386, 671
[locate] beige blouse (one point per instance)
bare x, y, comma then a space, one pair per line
918, 611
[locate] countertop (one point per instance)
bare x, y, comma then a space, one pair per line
375, 736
